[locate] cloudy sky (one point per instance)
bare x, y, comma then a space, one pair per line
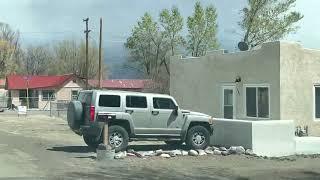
46, 21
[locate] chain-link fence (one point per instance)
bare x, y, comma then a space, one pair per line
59, 108
4, 103
51, 106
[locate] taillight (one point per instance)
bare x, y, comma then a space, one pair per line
92, 112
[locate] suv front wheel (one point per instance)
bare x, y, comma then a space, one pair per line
198, 137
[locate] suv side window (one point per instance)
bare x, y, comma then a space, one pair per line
109, 101
163, 103
136, 101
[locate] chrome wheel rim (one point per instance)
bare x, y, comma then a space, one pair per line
115, 139
198, 138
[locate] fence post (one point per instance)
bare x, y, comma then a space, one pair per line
50, 109
58, 110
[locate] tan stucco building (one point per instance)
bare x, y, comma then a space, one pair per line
3, 91
279, 81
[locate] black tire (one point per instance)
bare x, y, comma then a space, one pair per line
92, 141
115, 129
194, 137
173, 143
74, 115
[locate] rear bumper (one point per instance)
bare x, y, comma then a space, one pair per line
93, 129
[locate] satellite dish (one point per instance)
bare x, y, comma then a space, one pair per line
243, 46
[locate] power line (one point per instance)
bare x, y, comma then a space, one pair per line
113, 41
48, 32
45, 33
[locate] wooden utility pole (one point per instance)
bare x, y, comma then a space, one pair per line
87, 46
27, 94
106, 124
100, 58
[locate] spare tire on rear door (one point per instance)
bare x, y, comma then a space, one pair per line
74, 115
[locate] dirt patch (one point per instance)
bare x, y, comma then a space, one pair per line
45, 147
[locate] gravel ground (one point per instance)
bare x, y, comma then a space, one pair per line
41, 147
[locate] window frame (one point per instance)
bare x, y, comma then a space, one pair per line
256, 86
72, 96
125, 102
314, 102
46, 97
174, 103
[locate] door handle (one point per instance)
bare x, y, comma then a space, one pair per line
155, 112
129, 111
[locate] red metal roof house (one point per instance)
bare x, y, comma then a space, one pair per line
43, 89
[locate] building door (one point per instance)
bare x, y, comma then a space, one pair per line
228, 102
33, 98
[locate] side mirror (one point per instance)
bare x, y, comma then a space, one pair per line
175, 110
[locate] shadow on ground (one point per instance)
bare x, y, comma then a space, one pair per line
86, 149
72, 149
86, 157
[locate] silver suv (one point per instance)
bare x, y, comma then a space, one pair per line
137, 116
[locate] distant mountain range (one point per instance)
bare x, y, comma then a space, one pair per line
116, 55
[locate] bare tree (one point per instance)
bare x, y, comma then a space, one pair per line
38, 60
9, 49
70, 58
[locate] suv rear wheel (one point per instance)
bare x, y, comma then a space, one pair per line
118, 138
198, 137
92, 141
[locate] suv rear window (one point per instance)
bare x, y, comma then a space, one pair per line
109, 101
136, 101
85, 97
163, 103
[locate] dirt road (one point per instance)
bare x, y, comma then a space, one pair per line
40, 147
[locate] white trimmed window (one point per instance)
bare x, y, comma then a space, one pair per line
257, 101
48, 95
317, 102
74, 94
